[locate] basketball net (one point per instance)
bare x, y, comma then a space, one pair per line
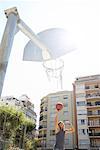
53, 69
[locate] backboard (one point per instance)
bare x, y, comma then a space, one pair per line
57, 40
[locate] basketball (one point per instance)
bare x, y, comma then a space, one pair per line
59, 106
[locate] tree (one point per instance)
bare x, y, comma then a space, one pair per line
14, 124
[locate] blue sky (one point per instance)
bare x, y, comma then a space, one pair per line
80, 18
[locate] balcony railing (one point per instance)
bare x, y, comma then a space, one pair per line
92, 87
94, 134
92, 106
94, 124
94, 146
94, 95
93, 114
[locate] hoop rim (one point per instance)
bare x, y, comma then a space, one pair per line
55, 61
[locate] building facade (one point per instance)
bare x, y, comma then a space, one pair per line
47, 117
87, 95
22, 103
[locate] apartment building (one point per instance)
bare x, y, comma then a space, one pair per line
23, 103
87, 97
47, 116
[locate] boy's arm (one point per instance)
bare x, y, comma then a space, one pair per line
56, 122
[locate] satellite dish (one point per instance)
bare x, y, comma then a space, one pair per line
57, 40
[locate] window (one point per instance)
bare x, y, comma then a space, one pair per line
65, 114
81, 112
40, 127
89, 104
52, 125
97, 103
79, 87
51, 142
89, 112
41, 118
82, 131
65, 104
98, 112
53, 106
65, 97
96, 86
52, 132
54, 98
80, 95
45, 117
88, 95
87, 87
52, 114
87, 131
82, 103
41, 109
44, 123
83, 142
82, 121
46, 108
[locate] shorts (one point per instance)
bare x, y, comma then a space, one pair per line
58, 148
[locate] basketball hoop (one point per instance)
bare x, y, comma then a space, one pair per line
53, 69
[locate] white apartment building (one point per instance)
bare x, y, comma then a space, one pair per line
22, 103
87, 93
47, 116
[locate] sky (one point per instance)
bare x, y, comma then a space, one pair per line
81, 18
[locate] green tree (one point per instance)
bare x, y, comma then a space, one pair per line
14, 126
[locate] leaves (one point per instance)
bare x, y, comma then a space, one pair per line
13, 123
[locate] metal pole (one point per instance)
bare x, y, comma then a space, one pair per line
6, 43
35, 39
75, 112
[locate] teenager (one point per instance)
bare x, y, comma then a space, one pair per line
60, 132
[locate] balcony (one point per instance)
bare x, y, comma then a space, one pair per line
89, 88
93, 105
92, 96
94, 125
93, 114
94, 135
95, 146
94, 143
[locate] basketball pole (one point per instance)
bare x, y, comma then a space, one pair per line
6, 43
13, 25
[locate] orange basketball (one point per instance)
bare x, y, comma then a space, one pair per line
59, 106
